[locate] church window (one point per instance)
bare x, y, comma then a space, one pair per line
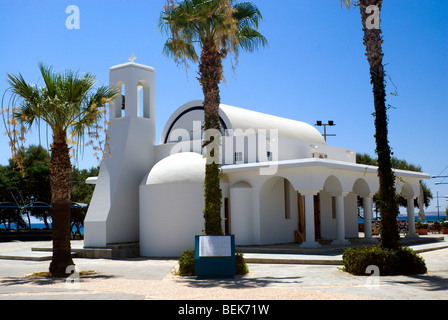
123, 101
238, 157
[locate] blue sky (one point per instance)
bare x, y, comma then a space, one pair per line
314, 67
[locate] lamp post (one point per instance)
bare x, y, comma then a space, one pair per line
329, 124
438, 206
437, 183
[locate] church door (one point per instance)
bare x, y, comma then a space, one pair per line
317, 233
226, 216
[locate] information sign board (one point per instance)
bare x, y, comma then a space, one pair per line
215, 246
214, 256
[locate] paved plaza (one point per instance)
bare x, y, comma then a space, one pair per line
273, 277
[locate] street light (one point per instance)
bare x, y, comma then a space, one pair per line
329, 124
438, 206
437, 183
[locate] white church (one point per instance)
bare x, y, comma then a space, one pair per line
281, 182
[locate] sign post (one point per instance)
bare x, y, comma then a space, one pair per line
215, 256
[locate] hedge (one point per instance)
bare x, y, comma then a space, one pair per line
403, 261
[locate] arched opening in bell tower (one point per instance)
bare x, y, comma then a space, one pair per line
123, 101
143, 99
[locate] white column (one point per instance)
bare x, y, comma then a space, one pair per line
340, 220
367, 202
309, 219
411, 218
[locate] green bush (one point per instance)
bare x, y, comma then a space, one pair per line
411, 262
186, 264
421, 225
241, 266
390, 262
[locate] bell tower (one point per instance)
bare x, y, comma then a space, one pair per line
113, 213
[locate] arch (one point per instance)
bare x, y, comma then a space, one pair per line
143, 101
278, 211
225, 178
242, 185
361, 188
172, 123
241, 213
333, 186
270, 182
119, 104
406, 190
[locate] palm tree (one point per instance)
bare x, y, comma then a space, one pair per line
218, 28
387, 202
71, 107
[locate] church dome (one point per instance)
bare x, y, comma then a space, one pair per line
178, 168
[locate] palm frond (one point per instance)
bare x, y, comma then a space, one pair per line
190, 23
348, 3
180, 50
247, 15
50, 78
67, 103
250, 39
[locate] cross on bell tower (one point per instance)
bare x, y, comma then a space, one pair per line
132, 58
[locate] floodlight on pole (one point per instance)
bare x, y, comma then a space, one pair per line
329, 124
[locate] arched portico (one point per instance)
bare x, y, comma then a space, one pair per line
362, 189
334, 187
335, 210
406, 190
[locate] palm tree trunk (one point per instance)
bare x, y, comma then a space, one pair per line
61, 186
387, 201
210, 71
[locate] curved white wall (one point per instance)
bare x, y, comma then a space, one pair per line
170, 216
